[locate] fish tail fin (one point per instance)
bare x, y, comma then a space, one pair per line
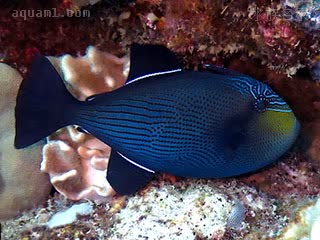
42, 105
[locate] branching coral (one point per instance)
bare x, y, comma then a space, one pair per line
22, 185
77, 162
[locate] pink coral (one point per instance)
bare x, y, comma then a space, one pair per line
274, 28
94, 73
77, 165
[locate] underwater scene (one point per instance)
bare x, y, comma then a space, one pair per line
159, 119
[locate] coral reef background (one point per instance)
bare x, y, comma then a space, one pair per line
255, 37
21, 185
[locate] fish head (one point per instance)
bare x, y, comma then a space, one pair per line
275, 116
275, 126
263, 133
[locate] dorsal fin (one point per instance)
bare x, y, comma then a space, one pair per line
148, 60
222, 70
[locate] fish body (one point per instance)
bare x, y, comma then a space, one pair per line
207, 124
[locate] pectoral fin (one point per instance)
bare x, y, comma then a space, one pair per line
125, 176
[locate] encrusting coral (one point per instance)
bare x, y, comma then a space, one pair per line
197, 212
306, 224
76, 161
81, 3
22, 185
304, 12
313, 150
315, 70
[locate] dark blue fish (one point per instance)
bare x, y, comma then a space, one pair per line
210, 124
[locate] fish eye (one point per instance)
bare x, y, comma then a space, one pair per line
261, 103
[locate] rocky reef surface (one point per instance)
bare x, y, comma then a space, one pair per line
258, 38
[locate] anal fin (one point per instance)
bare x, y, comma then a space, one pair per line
125, 176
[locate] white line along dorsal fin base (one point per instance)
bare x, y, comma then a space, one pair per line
153, 74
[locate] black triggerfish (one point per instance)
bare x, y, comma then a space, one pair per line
204, 124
